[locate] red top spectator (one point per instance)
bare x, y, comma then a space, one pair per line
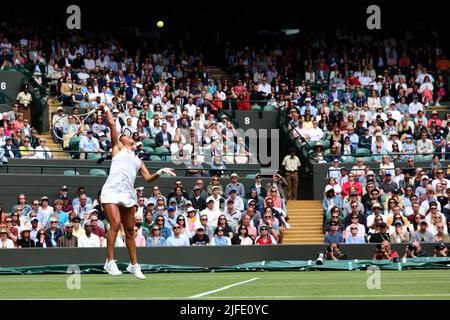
351, 182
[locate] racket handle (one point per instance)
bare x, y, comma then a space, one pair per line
100, 160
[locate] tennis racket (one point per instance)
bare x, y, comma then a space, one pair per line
71, 124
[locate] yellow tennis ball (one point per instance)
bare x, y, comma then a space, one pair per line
160, 24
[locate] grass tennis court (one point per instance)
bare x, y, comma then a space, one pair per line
413, 284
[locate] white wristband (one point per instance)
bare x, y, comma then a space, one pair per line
159, 172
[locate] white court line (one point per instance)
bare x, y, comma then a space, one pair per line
221, 289
321, 297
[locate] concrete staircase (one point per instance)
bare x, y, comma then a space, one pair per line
217, 73
305, 218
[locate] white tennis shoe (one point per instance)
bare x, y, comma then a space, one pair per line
135, 270
111, 268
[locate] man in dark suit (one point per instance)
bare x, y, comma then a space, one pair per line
442, 151
64, 61
10, 149
163, 138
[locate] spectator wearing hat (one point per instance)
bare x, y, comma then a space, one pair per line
211, 211
5, 242
10, 149
105, 145
44, 211
422, 235
25, 239
34, 227
78, 230
331, 200
68, 240
198, 201
215, 182
236, 185
399, 234
89, 240
233, 215
57, 125
381, 235
388, 185
171, 218
200, 238
258, 186
89, 144
25, 101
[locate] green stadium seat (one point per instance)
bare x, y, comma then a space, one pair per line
149, 142
349, 159
269, 107
362, 152
93, 156
98, 173
251, 176
148, 149
368, 159
155, 158
71, 173
325, 144
161, 150
255, 107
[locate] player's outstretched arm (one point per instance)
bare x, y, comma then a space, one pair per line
148, 177
110, 123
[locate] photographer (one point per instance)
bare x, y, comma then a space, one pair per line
414, 250
383, 251
333, 252
441, 250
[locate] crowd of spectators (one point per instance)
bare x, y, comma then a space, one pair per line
217, 214
407, 205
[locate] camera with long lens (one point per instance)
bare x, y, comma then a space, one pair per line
320, 258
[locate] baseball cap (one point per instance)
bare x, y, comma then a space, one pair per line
424, 222
425, 177
138, 144
440, 246
170, 208
140, 189
44, 198
197, 188
189, 202
191, 209
200, 229
68, 224
115, 110
250, 201
215, 187
209, 199
328, 188
395, 191
234, 175
387, 174
171, 200
34, 219
64, 188
60, 109
151, 201
398, 222
7, 138
232, 190
370, 173
102, 134
90, 132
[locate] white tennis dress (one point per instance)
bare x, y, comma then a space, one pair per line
119, 187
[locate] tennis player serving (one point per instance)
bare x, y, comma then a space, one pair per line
119, 197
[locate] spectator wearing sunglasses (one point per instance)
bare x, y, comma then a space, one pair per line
155, 238
178, 239
353, 236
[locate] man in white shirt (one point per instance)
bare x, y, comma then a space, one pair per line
212, 213
89, 240
191, 108
264, 87
415, 106
42, 151
315, 133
